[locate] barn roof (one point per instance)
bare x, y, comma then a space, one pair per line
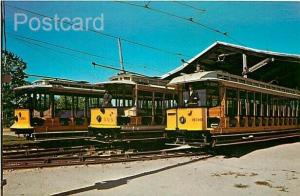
281, 68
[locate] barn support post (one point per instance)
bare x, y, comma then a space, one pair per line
51, 99
163, 107
72, 109
245, 66
136, 99
153, 108
40, 105
238, 108
86, 102
76, 106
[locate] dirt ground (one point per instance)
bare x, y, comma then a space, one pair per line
271, 170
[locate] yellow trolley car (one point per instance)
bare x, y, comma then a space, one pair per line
135, 109
55, 107
218, 108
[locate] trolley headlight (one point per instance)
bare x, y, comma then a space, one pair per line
182, 120
98, 118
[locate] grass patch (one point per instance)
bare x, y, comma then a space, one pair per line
242, 186
235, 174
253, 174
263, 183
282, 188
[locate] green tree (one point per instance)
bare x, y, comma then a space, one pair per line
12, 66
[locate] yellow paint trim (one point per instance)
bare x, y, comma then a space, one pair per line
23, 122
187, 119
105, 118
104, 127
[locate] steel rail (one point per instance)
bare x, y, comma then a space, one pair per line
87, 160
46, 152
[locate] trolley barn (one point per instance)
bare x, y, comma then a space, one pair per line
266, 66
55, 106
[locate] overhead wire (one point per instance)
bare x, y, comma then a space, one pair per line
32, 44
190, 20
45, 47
62, 47
33, 41
102, 33
117, 69
190, 6
54, 51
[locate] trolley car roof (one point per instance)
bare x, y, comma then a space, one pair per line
284, 69
60, 87
123, 80
234, 81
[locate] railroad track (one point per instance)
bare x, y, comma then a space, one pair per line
18, 146
24, 163
39, 151
42, 152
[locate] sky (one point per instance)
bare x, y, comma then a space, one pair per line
270, 26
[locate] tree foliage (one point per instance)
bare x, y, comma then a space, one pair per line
14, 66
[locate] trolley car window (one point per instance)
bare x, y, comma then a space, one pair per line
297, 109
251, 103
275, 106
201, 94
257, 104
231, 98
271, 105
94, 102
80, 102
265, 105
243, 102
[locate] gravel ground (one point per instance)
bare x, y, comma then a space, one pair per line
273, 170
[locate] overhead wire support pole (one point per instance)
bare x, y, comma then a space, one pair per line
3, 48
3, 29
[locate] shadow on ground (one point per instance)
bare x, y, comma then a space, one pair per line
122, 181
237, 151
228, 152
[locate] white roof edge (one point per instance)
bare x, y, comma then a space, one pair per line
232, 45
212, 75
117, 82
189, 61
193, 77
33, 86
260, 51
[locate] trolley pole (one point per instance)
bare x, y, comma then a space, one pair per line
121, 56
